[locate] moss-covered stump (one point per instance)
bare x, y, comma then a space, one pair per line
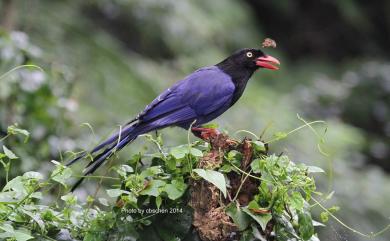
210, 218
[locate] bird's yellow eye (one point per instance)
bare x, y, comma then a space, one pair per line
249, 54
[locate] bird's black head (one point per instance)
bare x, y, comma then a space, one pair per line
250, 60
242, 64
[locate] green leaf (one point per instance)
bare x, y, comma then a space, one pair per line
306, 228
170, 163
314, 169
13, 130
7, 228
90, 199
318, 224
9, 153
261, 219
253, 205
240, 218
226, 168
259, 146
37, 195
175, 190
181, 151
247, 235
257, 165
314, 238
70, 199
21, 236
36, 218
211, 126
152, 188
284, 229
296, 201
330, 195
324, 217
103, 201
214, 177
234, 155
151, 171
256, 233
116, 192
48, 215
158, 202
61, 174
124, 169
280, 135
196, 152
130, 198
9, 197
172, 191
16, 185
33, 175
334, 209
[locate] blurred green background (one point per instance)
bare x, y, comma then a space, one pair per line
105, 60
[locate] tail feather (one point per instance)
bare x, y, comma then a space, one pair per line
76, 159
111, 145
101, 158
112, 139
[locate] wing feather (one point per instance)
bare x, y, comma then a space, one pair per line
204, 92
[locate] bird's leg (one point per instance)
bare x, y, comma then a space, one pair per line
205, 133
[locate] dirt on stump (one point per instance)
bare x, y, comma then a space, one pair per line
210, 220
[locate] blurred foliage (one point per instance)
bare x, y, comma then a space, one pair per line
332, 30
360, 97
34, 99
110, 58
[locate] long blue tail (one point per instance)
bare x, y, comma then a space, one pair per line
107, 149
114, 138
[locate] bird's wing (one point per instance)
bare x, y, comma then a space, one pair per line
201, 93
163, 97
166, 103
209, 90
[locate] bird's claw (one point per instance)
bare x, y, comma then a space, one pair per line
232, 142
205, 133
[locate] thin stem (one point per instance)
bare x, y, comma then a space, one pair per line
252, 176
6, 168
295, 130
149, 137
5, 137
248, 132
100, 177
241, 184
265, 129
20, 67
320, 139
371, 235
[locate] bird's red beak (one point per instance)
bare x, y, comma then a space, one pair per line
267, 62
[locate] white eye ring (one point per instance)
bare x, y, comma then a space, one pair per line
249, 54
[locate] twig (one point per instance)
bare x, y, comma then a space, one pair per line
241, 184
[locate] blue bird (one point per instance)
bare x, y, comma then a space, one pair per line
191, 102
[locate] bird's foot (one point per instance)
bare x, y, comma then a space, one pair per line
205, 133
232, 142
